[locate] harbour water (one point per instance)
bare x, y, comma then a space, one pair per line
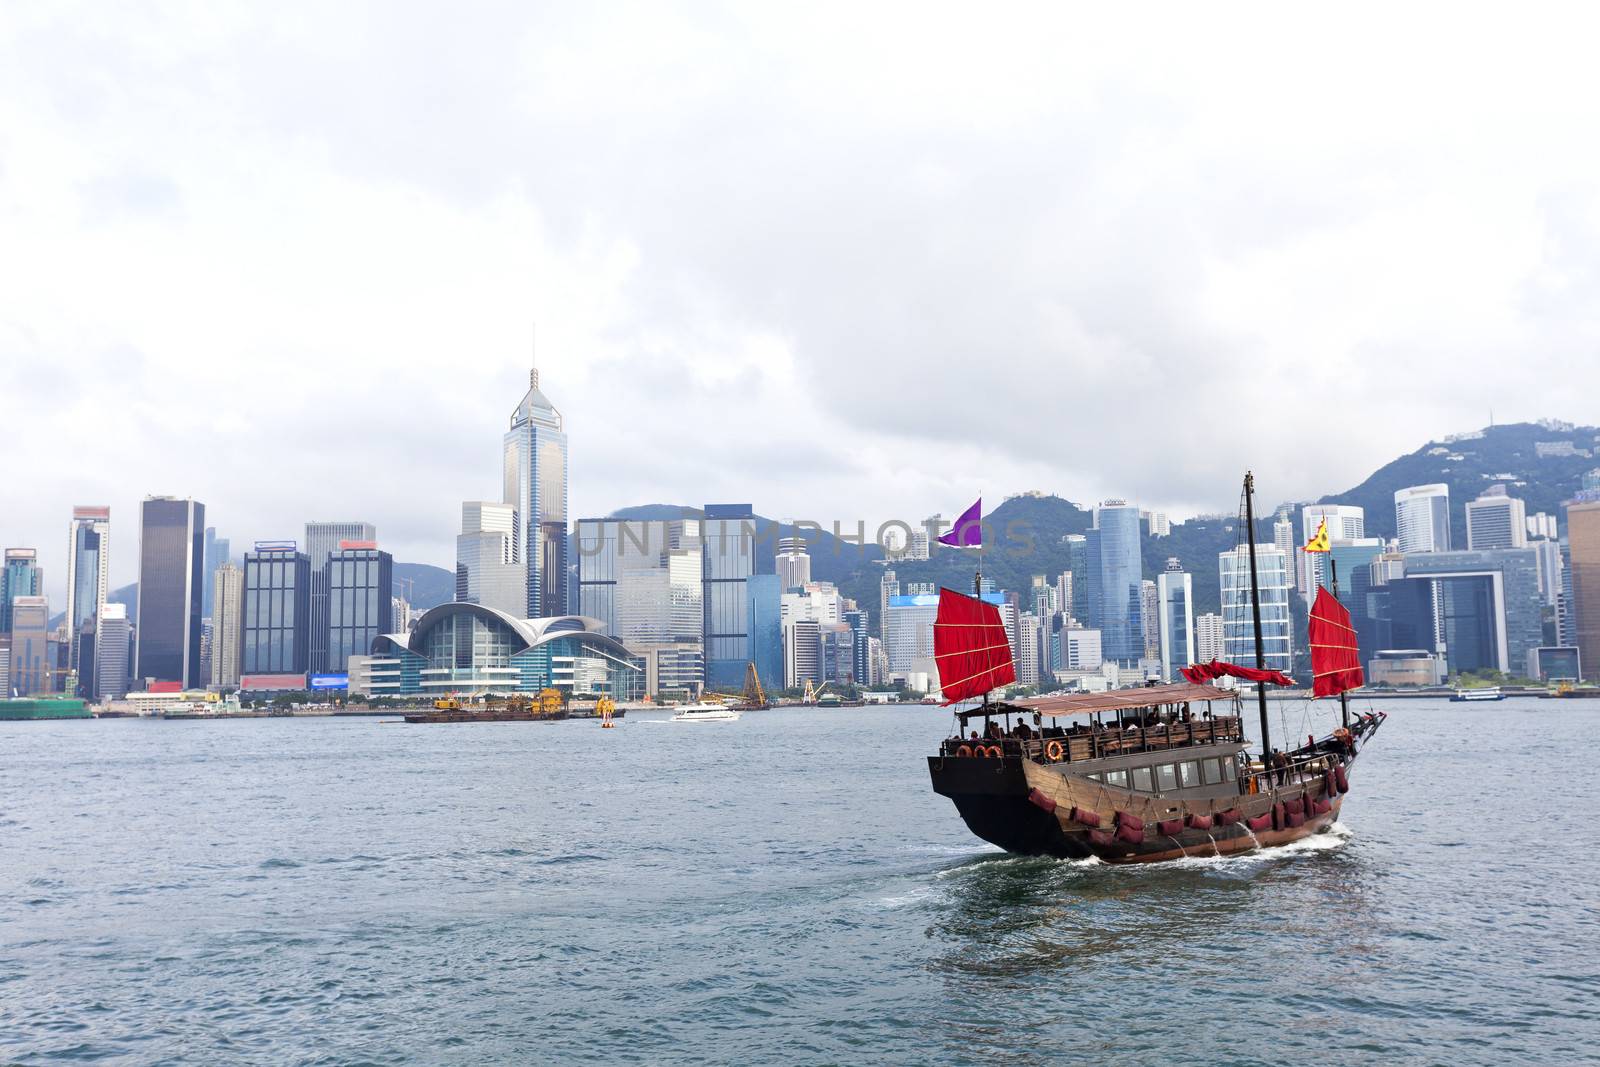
785, 889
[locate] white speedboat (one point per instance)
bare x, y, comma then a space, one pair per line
706, 713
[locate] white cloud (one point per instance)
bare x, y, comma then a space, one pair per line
834, 260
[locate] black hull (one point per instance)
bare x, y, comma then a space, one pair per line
991, 796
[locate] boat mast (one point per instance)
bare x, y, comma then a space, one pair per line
1255, 615
1344, 696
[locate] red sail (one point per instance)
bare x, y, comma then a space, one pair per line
1201, 673
970, 647
1335, 657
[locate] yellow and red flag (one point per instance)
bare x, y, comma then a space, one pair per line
1319, 543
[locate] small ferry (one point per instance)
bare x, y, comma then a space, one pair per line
705, 712
1492, 692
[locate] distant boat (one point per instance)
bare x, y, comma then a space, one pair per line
704, 712
1489, 693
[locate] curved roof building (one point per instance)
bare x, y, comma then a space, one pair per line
471, 648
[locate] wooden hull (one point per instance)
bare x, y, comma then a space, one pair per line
993, 799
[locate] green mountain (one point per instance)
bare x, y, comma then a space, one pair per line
1541, 464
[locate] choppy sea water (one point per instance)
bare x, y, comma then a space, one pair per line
786, 889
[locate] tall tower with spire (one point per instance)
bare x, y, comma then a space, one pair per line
535, 467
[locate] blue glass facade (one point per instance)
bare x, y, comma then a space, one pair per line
766, 629
730, 560
21, 577
1115, 568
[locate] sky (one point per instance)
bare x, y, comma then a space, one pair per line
840, 261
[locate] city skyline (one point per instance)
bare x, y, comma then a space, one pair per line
169, 235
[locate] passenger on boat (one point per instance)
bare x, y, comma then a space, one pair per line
1022, 731
1281, 762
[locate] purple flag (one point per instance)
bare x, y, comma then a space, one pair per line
968, 530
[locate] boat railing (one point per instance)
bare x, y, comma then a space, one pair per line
1299, 769
1106, 741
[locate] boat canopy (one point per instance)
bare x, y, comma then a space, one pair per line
1149, 696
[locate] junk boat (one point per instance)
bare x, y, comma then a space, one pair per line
1144, 774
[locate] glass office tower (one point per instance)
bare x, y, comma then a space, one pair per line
1115, 569
535, 484
171, 561
277, 609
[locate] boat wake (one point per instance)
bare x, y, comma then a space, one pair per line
1328, 840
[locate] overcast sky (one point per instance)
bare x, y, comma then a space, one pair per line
835, 260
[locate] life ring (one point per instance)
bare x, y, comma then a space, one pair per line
1054, 751
964, 750
994, 750
980, 751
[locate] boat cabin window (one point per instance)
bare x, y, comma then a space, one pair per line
1229, 771
1143, 779
1189, 773
1166, 777
1117, 778
1212, 769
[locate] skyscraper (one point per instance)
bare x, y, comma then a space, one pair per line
733, 553
1207, 637
1114, 576
323, 540
30, 640
112, 639
535, 484
218, 551
1283, 537
1422, 518
277, 609
802, 653
1583, 544
1150, 616
793, 563
489, 570
1346, 523
1175, 598
1238, 628
644, 580
1077, 603
171, 558
359, 579
1496, 520
21, 576
227, 625
765, 619
88, 579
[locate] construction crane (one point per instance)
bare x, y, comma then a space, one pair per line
754, 695
811, 695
